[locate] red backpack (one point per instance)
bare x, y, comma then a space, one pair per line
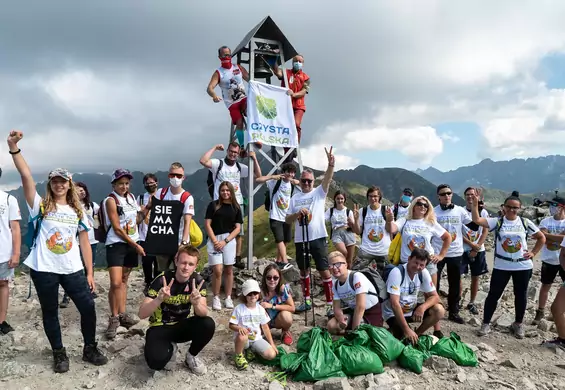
184, 196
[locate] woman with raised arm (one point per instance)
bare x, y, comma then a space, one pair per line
512, 259
54, 259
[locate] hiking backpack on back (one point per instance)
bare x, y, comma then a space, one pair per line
100, 228
212, 180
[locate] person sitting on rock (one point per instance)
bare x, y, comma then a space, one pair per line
55, 258
248, 321
169, 301
512, 259
276, 298
358, 295
558, 310
403, 285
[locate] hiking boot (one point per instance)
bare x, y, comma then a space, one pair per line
5, 328
239, 263
60, 360
485, 329
65, 302
455, 317
92, 354
305, 306
127, 320
216, 303
240, 362
228, 303
518, 330
438, 334
113, 324
472, 308
287, 338
540, 313
250, 355
555, 343
195, 365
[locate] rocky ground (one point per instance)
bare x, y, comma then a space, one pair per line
26, 363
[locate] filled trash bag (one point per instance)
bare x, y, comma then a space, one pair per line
358, 360
291, 362
425, 344
412, 359
453, 348
383, 343
321, 362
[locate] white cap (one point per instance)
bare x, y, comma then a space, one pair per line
250, 285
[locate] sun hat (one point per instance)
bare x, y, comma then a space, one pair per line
250, 285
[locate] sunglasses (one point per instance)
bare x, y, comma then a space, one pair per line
421, 204
446, 193
337, 265
306, 181
275, 278
177, 175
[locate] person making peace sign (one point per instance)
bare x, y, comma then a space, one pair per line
168, 303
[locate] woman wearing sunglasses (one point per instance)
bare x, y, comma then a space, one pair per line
512, 259
277, 300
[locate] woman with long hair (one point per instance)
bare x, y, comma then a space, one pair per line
512, 259
417, 230
276, 298
122, 215
54, 259
341, 220
222, 222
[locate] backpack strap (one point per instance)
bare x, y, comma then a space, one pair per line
220, 168
403, 274
364, 211
184, 196
331, 213
395, 211
276, 187
163, 193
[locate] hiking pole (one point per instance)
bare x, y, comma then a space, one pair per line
310, 272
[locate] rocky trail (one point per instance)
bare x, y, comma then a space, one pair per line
504, 361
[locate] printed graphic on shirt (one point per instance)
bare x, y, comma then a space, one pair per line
416, 242
472, 235
59, 240
130, 227
375, 236
512, 243
281, 204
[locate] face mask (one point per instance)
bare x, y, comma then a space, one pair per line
151, 188
406, 199
553, 210
226, 62
175, 182
297, 66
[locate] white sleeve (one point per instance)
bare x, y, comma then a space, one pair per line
400, 223
234, 319
544, 223
563, 243
95, 207
290, 209
393, 282
320, 193
215, 165
327, 214
14, 213
266, 319
438, 230
34, 210
244, 171
360, 283
531, 226
189, 205
484, 213
492, 223
270, 185
465, 217
427, 285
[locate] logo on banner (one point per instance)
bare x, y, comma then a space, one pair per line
267, 107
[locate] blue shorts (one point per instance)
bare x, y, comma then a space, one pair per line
477, 265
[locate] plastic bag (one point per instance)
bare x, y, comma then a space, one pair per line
291, 362
453, 348
359, 360
425, 344
276, 362
383, 343
321, 362
412, 359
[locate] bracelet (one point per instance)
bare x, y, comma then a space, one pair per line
332, 165
16, 152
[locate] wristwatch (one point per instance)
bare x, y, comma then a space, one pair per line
226, 240
274, 305
184, 242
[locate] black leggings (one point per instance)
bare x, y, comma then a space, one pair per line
158, 347
498, 282
454, 279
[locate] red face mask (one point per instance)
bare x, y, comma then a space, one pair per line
226, 62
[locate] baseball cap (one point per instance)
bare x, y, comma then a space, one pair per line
250, 285
559, 200
119, 173
408, 190
60, 172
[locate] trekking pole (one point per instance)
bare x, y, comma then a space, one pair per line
310, 272
305, 262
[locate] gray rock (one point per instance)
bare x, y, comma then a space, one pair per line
140, 328
121, 330
386, 379
461, 377
511, 363
117, 346
532, 333
439, 364
333, 384
481, 297
292, 274
473, 347
486, 347
487, 357
533, 293
527, 384
474, 321
505, 320
544, 325
275, 385
89, 385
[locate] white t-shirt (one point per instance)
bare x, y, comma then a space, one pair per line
375, 240
231, 174
252, 319
417, 233
402, 211
90, 213
188, 206
408, 294
472, 235
550, 251
339, 218
512, 243
144, 225
56, 246
280, 201
315, 202
9, 211
348, 294
453, 221
128, 220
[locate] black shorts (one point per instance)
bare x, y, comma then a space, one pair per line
121, 254
395, 328
549, 272
477, 265
281, 230
318, 251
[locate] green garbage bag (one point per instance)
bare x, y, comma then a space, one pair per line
453, 348
291, 362
276, 362
383, 343
359, 360
321, 362
425, 344
412, 359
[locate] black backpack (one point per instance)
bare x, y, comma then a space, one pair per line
268, 196
212, 180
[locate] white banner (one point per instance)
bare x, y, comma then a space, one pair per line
270, 117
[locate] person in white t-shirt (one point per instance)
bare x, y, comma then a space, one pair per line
512, 259
281, 188
249, 321
342, 224
229, 169
54, 259
553, 228
356, 294
558, 310
400, 209
403, 285
309, 206
148, 263
10, 242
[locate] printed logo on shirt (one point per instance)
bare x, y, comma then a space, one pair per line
395, 288
416, 242
357, 285
472, 235
375, 236
59, 240
512, 244
281, 204
130, 227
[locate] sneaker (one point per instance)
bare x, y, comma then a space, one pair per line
485, 329
472, 308
330, 311
195, 365
438, 334
287, 338
555, 343
60, 360
92, 354
113, 324
518, 330
240, 362
127, 320
539, 316
305, 306
65, 302
250, 355
228, 303
456, 318
283, 266
5, 328
216, 303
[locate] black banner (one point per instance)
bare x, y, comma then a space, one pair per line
163, 228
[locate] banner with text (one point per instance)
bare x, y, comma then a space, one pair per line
163, 228
270, 117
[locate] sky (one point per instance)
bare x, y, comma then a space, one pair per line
446, 83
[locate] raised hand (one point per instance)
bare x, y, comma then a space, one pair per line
220, 147
356, 211
165, 291
195, 293
330, 156
14, 137
389, 215
217, 99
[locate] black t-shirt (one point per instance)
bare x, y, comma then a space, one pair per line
177, 307
225, 218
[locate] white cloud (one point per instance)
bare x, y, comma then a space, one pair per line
449, 136
314, 156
